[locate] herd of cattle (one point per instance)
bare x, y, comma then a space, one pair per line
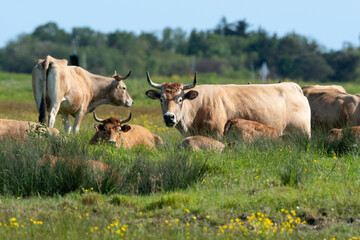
245, 111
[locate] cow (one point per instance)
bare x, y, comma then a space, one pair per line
113, 131
15, 129
59, 88
332, 108
248, 130
195, 143
338, 133
204, 109
96, 166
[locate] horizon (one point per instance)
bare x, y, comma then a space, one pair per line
330, 28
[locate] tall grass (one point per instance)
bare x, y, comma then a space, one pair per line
22, 174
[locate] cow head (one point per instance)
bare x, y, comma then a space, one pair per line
172, 97
118, 94
108, 130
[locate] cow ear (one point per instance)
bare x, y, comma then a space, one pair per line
153, 94
125, 128
191, 95
96, 126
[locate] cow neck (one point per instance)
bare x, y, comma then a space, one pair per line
189, 114
101, 87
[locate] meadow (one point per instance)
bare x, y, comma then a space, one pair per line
298, 189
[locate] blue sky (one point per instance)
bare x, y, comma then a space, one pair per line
329, 22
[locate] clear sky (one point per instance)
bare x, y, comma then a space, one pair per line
329, 22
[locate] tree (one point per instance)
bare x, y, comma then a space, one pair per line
51, 32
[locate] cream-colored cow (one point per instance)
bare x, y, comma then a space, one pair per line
203, 109
63, 89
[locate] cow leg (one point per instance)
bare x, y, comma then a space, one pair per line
37, 85
78, 118
66, 122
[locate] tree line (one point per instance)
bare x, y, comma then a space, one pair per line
230, 49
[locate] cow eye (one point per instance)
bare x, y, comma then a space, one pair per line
161, 99
124, 88
119, 130
180, 100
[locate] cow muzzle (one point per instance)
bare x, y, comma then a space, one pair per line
113, 142
170, 119
129, 103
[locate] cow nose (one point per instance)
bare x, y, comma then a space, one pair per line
169, 117
129, 103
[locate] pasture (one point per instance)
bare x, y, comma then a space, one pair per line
298, 189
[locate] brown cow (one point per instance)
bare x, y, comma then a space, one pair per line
63, 89
337, 133
248, 130
15, 129
94, 165
201, 143
332, 108
127, 136
202, 109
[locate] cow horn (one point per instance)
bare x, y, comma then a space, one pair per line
188, 86
122, 78
126, 120
151, 83
97, 119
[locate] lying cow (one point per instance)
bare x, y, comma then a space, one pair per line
248, 130
204, 109
63, 89
338, 133
114, 131
201, 143
15, 129
94, 165
332, 108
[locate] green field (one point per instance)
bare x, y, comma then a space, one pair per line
300, 189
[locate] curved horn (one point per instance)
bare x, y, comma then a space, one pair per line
122, 78
126, 120
97, 119
188, 86
151, 83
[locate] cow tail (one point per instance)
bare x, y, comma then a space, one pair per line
43, 107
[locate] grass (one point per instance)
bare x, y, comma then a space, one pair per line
305, 188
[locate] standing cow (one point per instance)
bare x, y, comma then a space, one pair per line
63, 89
206, 108
331, 107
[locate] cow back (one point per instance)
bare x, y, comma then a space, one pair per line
138, 136
15, 129
195, 143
